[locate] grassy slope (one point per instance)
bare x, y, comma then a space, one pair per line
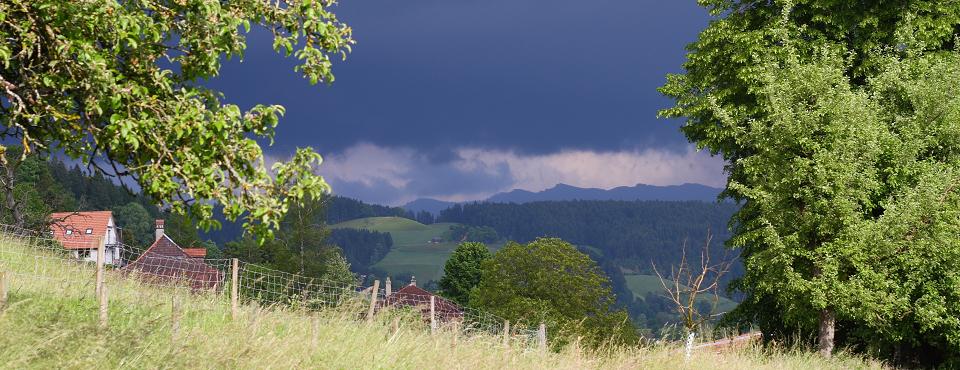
51, 322
412, 252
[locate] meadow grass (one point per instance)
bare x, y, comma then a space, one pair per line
51, 321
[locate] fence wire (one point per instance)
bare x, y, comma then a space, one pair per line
35, 255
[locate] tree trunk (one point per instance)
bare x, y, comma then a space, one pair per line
828, 321
9, 176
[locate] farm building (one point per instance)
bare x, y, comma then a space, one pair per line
165, 261
82, 233
412, 296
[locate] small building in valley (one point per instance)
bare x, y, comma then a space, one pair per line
165, 261
412, 296
82, 233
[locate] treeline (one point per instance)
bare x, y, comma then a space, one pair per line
336, 209
619, 235
632, 233
363, 248
467, 233
340, 209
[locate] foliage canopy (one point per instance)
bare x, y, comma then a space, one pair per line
840, 124
549, 281
118, 84
462, 272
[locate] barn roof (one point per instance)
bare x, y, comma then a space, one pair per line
80, 230
195, 252
415, 297
165, 260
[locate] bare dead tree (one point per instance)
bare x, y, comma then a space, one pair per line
687, 283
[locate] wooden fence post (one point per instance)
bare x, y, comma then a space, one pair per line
389, 290
100, 262
373, 300
104, 303
542, 336
3, 289
433, 314
506, 333
234, 288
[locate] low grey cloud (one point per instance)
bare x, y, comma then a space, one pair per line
396, 175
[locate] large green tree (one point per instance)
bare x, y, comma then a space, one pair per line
138, 225
30, 192
839, 124
118, 84
550, 281
462, 272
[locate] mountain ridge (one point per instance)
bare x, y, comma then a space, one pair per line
560, 192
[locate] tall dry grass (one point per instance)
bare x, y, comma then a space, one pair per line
51, 321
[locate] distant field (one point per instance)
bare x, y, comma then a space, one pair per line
640, 285
412, 252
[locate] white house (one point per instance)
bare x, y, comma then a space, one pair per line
82, 233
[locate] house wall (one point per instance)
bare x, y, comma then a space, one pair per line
111, 255
112, 233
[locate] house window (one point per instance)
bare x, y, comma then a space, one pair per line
83, 254
88, 231
69, 231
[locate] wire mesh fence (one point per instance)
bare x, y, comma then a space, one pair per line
37, 256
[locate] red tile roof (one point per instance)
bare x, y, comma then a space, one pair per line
78, 223
413, 296
166, 261
195, 252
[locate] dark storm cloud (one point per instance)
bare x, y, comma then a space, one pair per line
535, 76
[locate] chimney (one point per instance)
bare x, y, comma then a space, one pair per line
159, 230
413, 280
389, 287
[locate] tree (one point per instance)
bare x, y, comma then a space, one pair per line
686, 286
549, 281
182, 230
138, 226
835, 138
12, 204
461, 273
30, 192
338, 272
118, 85
303, 230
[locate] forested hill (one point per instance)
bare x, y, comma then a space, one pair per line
340, 209
632, 233
336, 209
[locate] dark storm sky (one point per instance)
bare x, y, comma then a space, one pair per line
457, 99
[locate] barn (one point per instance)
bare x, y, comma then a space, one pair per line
165, 261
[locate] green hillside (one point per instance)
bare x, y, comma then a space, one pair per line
413, 252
